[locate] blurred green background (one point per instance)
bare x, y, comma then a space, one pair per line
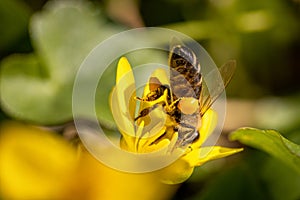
41, 47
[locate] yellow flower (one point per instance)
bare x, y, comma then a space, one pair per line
35, 163
39, 164
154, 132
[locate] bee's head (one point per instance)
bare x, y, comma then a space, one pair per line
188, 105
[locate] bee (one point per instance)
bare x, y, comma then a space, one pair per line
188, 97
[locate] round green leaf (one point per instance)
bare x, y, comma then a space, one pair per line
38, 87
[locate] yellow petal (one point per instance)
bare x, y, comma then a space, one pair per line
102, 182
122, 100
126, 84
208, 124
215, 152
177, 172
124, 69
35, 164
182, 169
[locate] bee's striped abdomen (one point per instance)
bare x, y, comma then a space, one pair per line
185, 74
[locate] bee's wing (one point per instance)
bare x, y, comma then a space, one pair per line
208, 97
174, 42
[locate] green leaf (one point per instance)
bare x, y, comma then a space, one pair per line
38, 87
270, 142
27, 92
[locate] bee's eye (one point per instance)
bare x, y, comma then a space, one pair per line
188, 105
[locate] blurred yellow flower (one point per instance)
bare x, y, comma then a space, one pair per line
153, 132
39, 164
35, 164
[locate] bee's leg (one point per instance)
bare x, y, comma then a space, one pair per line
146, 111
140, 99
173, 105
